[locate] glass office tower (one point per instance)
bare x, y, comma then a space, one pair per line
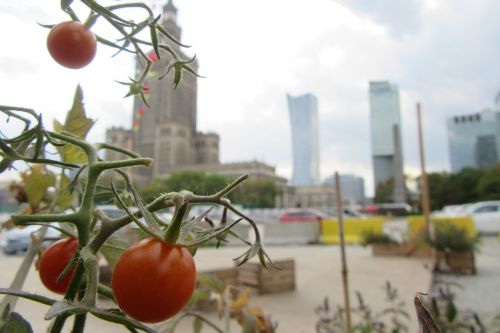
305, 139
385, 121
474, 140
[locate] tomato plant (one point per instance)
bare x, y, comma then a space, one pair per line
153, 280
72, 44
53, 262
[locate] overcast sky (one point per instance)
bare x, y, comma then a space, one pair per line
441, 53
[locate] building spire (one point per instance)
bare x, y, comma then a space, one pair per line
169, 20
170, 11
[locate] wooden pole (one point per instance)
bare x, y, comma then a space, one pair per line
423, 177
345, 280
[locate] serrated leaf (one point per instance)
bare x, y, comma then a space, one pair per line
37, 185
78, 124
15, 323
197, 325
113, 249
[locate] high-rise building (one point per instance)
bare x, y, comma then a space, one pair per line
167, 130
305, 139
474, 140
385, 121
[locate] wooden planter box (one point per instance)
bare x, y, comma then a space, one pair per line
228, 275
267, 281
388, 249
423, 250
456, 262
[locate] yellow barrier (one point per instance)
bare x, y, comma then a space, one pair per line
417, 223
353, 229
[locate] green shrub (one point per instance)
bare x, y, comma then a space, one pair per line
449, 237
372, 237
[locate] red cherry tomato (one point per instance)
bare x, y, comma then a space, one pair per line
71, 44
153, 280
53, 262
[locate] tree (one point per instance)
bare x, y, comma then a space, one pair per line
194, 181
256, 193
439, 194
488, 187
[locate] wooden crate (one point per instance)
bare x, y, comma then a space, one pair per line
456, 262
267, 281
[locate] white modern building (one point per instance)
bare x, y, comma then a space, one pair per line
385, 121
305, 139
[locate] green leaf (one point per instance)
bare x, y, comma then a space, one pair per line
451, 310
248, 324
211, 282
197, 325
113, 249
37, 185
198, 295
15, 324
78, 124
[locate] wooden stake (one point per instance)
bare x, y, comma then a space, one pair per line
423, 177
345, 280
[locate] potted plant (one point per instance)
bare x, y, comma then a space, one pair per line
455, 249
382, 244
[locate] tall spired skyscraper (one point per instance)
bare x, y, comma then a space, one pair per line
385, 121
167, 131
305, 142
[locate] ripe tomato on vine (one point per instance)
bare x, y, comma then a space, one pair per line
154, 280
53, 262
72, 44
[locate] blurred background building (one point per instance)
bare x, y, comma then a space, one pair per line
474, 139
352, 188
385, 121
303, 112
167, 130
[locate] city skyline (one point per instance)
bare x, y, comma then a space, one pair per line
335, 51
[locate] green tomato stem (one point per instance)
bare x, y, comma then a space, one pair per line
174, 229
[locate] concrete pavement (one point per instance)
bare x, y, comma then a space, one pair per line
318, 274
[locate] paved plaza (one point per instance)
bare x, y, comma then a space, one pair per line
318, 275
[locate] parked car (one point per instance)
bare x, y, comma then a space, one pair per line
451, 211
347, 213
302, 215
486, 216
16, 240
